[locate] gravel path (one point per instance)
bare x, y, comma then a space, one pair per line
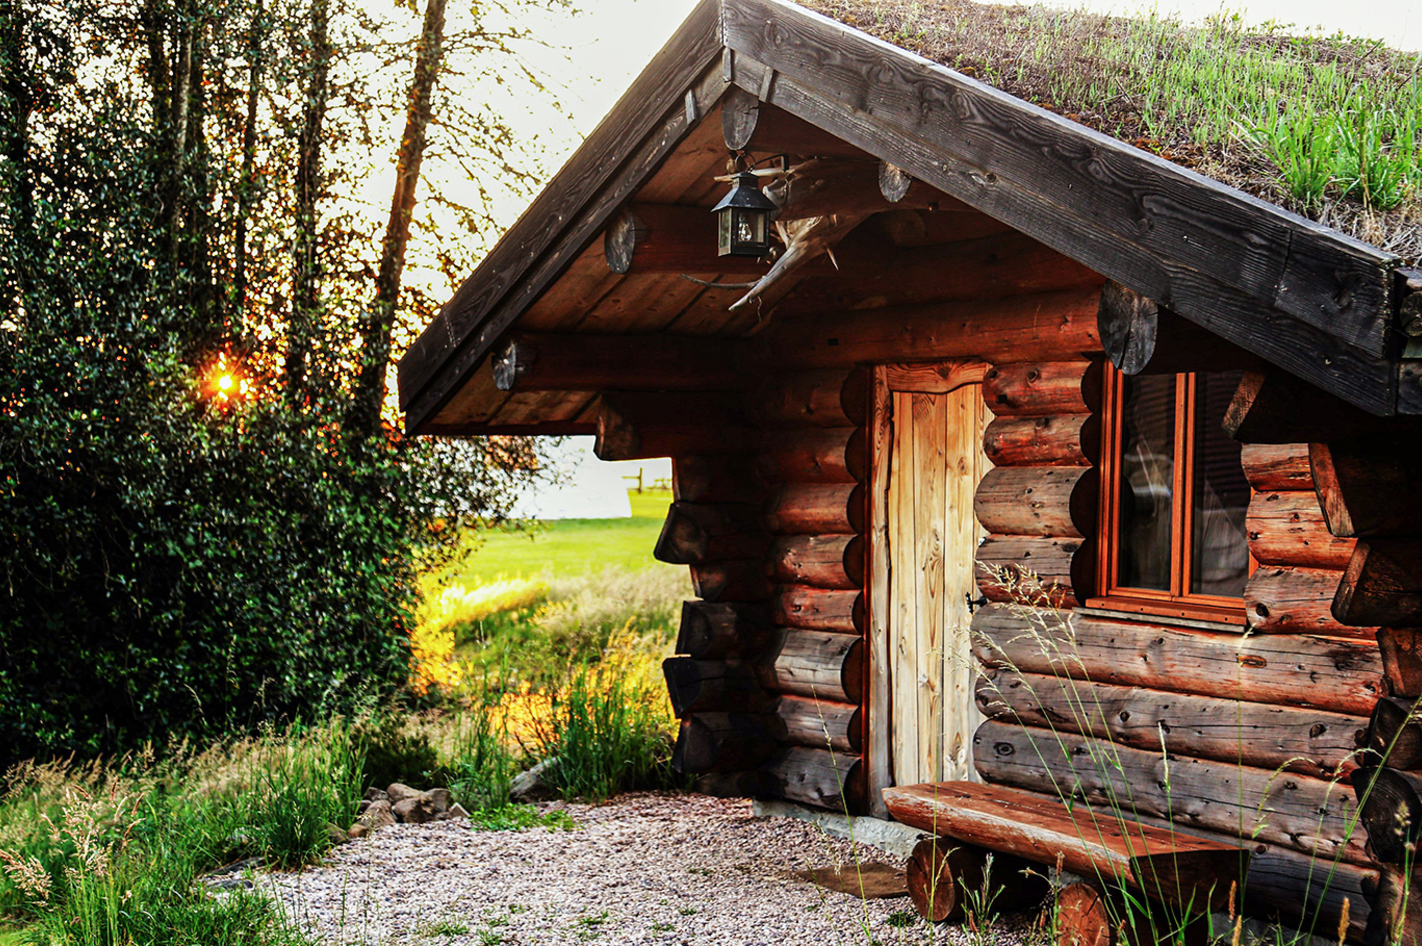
644, 868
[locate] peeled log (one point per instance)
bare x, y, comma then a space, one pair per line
1040, 390
1037, 500
749, 124
708, 686
1276, 466
1084, 917
722, 742
1342, 676
1287, 600
1312, 742
1033, 570
567, 362
817, 609
816, 664
1047, 325
642, 426
945, 878
1396, 908
715, 479
1400, 649
739, 580
1395, 733
716, 630
828, 397
1369, 489
1390, 807
817, 723
1141, 337
1382, 584
1310, 815
649, 239
695, 533
816, 509
836, 455
1061, 440
823, 561
817, 777
1287, 528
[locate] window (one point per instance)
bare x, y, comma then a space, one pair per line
1174, 498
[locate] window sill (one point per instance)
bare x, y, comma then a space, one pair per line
1208, 619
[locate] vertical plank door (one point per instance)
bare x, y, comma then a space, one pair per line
934, 462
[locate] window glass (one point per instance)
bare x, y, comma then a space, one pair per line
1147, 482
1219, 554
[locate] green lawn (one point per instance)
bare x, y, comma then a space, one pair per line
566, 547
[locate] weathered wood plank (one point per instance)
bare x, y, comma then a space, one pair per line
877, 765
1342, 676
930, 468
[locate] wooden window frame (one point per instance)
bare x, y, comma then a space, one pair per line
1178, 601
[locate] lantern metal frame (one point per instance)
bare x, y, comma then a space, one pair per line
743, 219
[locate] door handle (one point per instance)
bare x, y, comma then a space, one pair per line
974, 603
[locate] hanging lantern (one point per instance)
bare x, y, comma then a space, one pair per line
743, 218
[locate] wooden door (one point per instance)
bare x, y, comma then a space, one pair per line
933, 460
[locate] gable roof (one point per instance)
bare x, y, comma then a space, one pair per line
1302, 296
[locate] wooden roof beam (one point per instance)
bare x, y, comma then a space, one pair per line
528, 361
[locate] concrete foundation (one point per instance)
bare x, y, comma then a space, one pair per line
888, 836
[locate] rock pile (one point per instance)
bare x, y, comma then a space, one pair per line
401, 804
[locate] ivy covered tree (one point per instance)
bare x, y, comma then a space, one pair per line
206, 520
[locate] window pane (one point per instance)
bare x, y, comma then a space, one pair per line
1147, 482
1219, 557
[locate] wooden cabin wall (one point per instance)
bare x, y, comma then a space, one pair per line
1247, 737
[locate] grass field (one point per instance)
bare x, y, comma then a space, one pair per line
562, 548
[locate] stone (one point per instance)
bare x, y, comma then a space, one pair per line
375, 794
378, 815
358, 830
399, 792
416, 810
440, 798
364, 804
456, 810
336, 834
534, 784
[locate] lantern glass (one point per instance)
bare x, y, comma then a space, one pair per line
743, 219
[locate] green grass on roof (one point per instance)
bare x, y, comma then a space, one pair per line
1323, 125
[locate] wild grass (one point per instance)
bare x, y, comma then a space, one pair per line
1324, 125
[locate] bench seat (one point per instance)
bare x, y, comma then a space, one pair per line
1181, 870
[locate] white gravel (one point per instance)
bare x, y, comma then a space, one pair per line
646, 868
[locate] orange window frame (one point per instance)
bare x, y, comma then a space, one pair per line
1178, 601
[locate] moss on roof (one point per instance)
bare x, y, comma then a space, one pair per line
1325, 126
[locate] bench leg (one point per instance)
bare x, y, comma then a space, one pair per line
939, 871
1086, 917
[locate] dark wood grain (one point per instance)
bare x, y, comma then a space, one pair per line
1382, 584
715, 630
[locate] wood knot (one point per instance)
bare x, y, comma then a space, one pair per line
1316, 730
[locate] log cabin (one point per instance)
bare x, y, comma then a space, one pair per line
1018, 446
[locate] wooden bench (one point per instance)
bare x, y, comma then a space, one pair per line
1190, 874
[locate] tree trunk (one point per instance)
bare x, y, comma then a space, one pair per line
247, 187
305, 301
380, 321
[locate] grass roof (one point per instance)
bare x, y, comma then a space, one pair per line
1323, 125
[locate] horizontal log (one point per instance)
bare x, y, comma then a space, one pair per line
946, 877
710, 686
737, 580
1143, 338
818, 609
715, 479
696, 532
745, 784
1042, 389
722, 742
1382, 584
1310, 815
549, 362
812, 456
648, 239
816, 509
1390, 811
1044, 326
1287, 528
1369, 488
843, 187
1342, 676
1281, 599
1037, 500
825, 397
641, 426
822, 724
1395, 733
1060, 440
1033, 570
1400, 651
1273, 406
822, 561
1262, 735
1276, 466
818, 664
1176, 869
833, 780
715, 630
